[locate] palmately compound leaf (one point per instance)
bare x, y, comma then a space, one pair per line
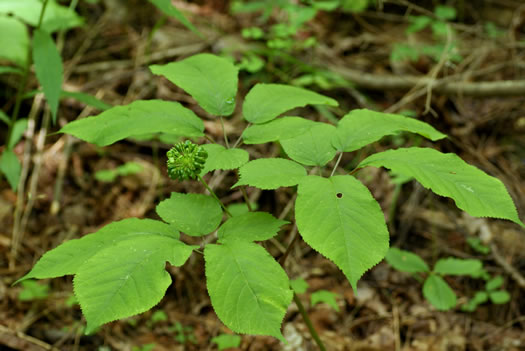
192, 214
439, 293
127, 278
14, 40
270, 173
339, 218
473, 191
362, 127
249, 290
406, 261
494, 283
10, 166
168, 9
67, 258
210, 79
220, 157
457, 266
251, 226
137, 118
48, 68
281, 128
499, 297
313, 147
265, 102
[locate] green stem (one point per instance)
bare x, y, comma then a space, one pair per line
25, 78
215, 196
308, 322
224, 133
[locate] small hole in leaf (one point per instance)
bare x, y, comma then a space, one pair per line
339, 195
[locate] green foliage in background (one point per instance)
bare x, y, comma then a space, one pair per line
437, 291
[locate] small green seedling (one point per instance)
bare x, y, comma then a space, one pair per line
440, 28
324, 296
120, 270
183, 334
157, 317
226, 341
32, 290
109, 175
477, 245
146, 347
492, 292
435, 288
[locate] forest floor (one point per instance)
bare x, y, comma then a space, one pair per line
108, 58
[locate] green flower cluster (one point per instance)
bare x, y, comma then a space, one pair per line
186, 160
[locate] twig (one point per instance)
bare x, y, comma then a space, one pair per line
518, 278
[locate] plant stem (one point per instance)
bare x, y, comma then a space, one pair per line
336, 163
246, 198
224, 132
25, 78
308, 322
215, 196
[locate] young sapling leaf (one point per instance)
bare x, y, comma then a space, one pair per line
265, 102
349, 229
457, 266
270, 173
439, 293
313, 147
251, 226
209, 79
406, 261
359, 128
473, 191
192, 214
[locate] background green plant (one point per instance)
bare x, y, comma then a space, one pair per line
119, 271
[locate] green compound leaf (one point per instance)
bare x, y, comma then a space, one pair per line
192, 214
339, 218
168, 9
14, 41
67, 258
10, 166
270, 173
312, 148
126, 278
210, 79
362, 127
264, 102
473, 191
56, 17
137, 118
406, 261
499, 297
48, 68
324, 296
251, 226
457, 266
220, 157
439, 293
249, 290
282, 128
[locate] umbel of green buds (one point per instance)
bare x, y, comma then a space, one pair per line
186, 160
